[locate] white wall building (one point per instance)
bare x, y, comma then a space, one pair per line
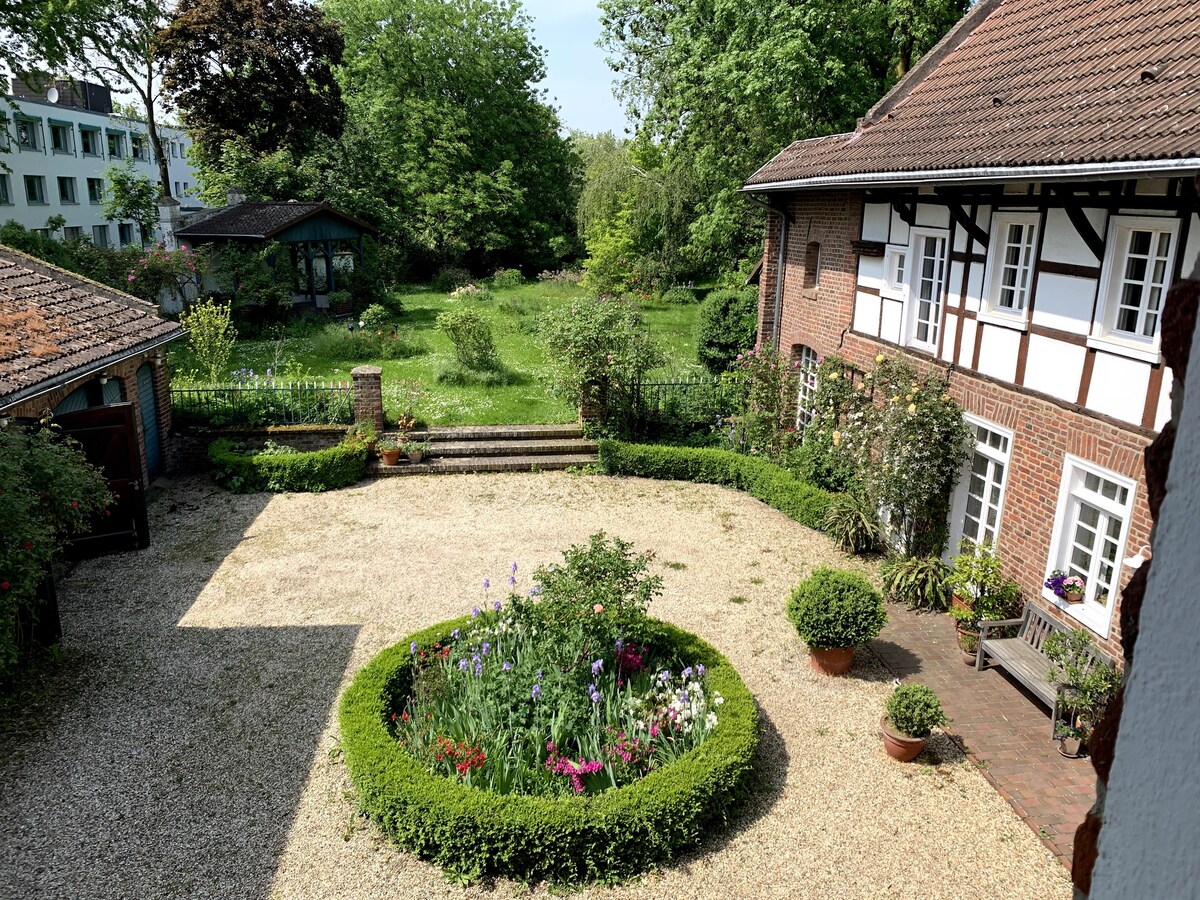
58, 151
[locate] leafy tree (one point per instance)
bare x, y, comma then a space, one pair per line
130, 197
43, 32
721, 86
256, 71
211, 337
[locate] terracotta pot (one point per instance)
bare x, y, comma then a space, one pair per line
415, 457
831, 660
967, 637
1071, 748
958, 602
390, 457
899, 746
1074, 598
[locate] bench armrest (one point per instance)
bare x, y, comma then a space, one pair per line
987, 624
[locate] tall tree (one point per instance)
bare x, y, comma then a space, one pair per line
722, 85
259, 72
121, 48
36, 34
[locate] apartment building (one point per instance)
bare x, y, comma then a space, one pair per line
61, 139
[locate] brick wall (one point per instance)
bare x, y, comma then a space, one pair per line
1044, 431
189, 448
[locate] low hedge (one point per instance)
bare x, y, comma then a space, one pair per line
472, 832
317, 470
772, 484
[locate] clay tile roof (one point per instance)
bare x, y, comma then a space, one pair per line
54, 324
1027, 84
261, 221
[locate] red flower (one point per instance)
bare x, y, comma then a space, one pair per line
4, 585
28, 545
74, 503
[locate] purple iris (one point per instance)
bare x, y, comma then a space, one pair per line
664, 676
486, 648
683, 697
539, 675
496, 606
507, 667
535, 591
686, 673
478, 669
454, 634
474, 612
620, 644
412, 648
700, 671
537, 692
593, 693
597, 668
462, 665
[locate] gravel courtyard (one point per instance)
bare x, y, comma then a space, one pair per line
189, 746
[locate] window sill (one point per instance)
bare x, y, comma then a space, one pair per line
36, 203
1095, 621
991, 317
1145, 353
68, 202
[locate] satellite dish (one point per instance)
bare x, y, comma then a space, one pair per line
52, 95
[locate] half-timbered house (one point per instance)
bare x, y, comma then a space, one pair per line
1013, 212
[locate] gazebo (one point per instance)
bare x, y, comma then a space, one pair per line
313, 232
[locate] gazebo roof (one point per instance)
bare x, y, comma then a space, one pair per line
289, 220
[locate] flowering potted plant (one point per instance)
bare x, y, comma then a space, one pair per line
414, 450
980, 592
1065, 585
913, 711
389, 451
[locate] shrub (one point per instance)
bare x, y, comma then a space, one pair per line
597, 350
679, 296
321, 470
728, 324
818, 462
471, 336
507, 278
1086, 684
769, 483
979, 581
211, 337
374, 318
919, 581
914, 710
352, 344
561, 276
835, 608
762, 382
473, 292
853, 521
472, 833
449, 278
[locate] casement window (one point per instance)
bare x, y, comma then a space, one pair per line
116, 146
125, 234
5, 191
73, 233
894, 263
66, 190
100, 235
137, 147
1133, 286
89, 141
174, 149
35, 190
1010, 264
60, 138
95, 190
1095, 507
178, 192
812, 265
926, 278
806, 394
29, 134
978, 503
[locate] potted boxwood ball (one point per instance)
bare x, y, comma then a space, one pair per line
913, 711
834, 612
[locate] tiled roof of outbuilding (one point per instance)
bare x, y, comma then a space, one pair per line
1027, 84
54, 323
261, 221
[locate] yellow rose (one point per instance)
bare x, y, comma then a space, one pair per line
912, 408
909, 398
896, 399
837, 438
879, 358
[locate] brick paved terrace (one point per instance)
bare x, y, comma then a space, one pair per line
1005, 729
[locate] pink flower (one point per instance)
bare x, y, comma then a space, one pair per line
598, 608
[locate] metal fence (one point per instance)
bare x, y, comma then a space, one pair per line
256, 404
684, 401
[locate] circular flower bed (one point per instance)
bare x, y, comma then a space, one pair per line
484, 745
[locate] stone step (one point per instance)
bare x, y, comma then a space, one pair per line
462, 433
466, 464
513, 447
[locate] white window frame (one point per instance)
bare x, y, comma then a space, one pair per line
998, 247
100, 236
1104, 335
895, 262
1089, 613
958, 506
40, 181
917, 236
806, 391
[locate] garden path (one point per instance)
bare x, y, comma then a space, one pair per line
188, 746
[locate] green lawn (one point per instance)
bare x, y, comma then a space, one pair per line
512, 314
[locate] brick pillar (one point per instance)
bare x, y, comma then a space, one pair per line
368, 395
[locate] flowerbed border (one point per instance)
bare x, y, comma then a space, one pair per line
765, 481
471, 832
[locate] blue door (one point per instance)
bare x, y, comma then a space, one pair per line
149, 412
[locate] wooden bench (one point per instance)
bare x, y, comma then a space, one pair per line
1022, 655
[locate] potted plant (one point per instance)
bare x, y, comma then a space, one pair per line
365, 432
913, 711
1086, 685
389, 451
834, 612
1066, 586
415, 450
980, 591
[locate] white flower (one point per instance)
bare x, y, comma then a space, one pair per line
711, 721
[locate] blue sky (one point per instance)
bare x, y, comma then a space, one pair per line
577, 78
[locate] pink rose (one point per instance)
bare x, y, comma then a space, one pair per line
598, 608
